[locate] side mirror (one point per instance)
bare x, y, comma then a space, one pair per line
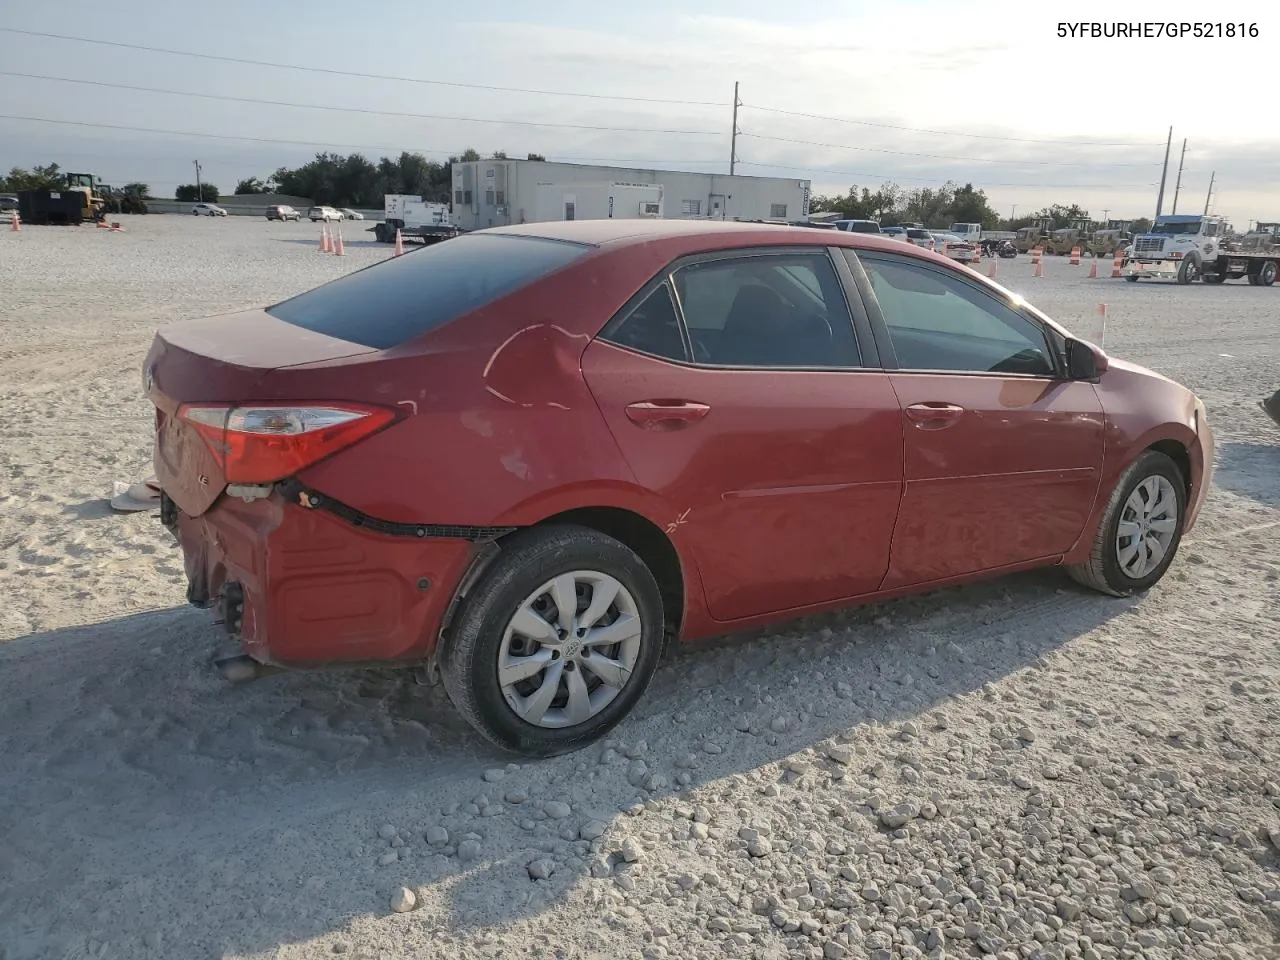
1085, 361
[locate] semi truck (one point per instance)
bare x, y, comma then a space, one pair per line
414, 218
1187, 247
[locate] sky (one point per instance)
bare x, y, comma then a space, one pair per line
839, 92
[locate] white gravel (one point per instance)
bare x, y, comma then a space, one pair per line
1018, 769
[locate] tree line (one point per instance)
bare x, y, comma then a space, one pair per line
355, 181
939, 207
51, 177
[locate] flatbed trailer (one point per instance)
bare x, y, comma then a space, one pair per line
1259, 268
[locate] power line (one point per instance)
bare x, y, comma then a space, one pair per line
361, 110
302, 143
552, 93
946, 133
984, 185
941, 156
352, 73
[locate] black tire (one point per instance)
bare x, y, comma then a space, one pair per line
1102, 571
1267, 274
1188, 271
380, 233
469, 655
1132, 278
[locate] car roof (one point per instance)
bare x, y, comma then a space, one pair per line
692, 235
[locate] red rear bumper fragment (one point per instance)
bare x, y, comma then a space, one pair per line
305, 587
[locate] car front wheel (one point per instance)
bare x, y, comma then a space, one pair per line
1140, 530
556, 643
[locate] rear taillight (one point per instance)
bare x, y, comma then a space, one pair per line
263, 443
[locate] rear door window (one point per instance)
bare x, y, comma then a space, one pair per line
404, 297
767, 311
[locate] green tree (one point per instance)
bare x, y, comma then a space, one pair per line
140, 190
251, 185
970, 206
536, 156
191, 193
1061, 215
48, 177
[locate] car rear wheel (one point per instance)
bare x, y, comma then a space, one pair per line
1140, 530
556, 643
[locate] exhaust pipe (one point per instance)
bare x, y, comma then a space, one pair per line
243, 668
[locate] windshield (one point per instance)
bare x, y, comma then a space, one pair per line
1190, 227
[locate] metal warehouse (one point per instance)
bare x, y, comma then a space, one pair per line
492, 193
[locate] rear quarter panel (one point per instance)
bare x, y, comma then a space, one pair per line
499, 428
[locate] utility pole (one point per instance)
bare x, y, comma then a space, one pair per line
1208, 195
733, 139
199, 185
1164, 174
1178, 187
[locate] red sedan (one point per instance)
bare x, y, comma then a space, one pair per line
529, 455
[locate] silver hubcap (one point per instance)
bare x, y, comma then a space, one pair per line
1147, 526
570, 649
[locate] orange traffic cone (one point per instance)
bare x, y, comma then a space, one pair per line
991, 271
17, 223
1116, 265
399, 243
1075, 256
1039, 271
324, 239
1093, 269
338, 249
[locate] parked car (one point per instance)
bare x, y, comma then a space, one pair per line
208, 210
919, 237
8, 202
316, 214
895, 233
282, 212
858, 226
770, 422
351, 214
955, 246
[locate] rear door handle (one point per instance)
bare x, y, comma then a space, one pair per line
666, 414
934, 415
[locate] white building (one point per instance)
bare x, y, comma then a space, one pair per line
492, 193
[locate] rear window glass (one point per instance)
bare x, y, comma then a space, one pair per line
404, 297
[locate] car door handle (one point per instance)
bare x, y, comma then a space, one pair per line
666, 414
934, 415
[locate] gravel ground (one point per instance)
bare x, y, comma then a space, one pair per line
1016, 769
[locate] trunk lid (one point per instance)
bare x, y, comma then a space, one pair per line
218, 360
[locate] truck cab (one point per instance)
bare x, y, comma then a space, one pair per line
971, 232
1178, 246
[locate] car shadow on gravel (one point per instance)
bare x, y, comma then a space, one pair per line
1249, 470
137, 782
